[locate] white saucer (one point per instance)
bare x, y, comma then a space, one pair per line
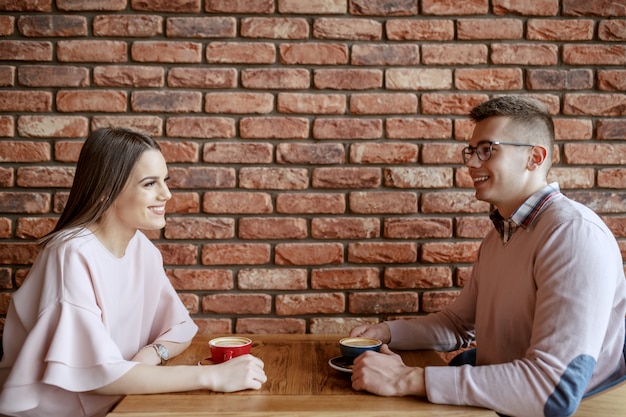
340, 364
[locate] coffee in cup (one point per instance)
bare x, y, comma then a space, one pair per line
228, 347
351, 347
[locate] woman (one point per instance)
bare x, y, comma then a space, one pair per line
97, 312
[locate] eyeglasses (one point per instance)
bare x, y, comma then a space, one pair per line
484, 148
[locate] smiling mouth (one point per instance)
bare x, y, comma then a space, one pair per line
157, 210
479, 180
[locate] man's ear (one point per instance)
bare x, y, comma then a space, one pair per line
537, 157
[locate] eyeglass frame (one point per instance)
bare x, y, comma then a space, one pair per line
471, 150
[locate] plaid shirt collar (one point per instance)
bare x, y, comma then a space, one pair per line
525, 214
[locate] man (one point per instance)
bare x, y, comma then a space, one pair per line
547, 297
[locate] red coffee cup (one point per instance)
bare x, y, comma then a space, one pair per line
228, 347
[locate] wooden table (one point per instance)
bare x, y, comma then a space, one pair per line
300, 384
609, 403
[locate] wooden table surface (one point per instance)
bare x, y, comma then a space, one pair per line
302, 384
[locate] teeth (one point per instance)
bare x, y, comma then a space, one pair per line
158, 210
481, 179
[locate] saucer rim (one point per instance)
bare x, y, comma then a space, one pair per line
337, 367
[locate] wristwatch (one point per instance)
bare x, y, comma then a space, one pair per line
162, 351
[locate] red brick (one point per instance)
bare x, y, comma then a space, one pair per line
201, 27
572, 129
238, 304
274, 127
608, 8
274, 178
18, 253
488, 79
422, 277
602, 202
176, 6
272, 279
418, 79
6, 229
383, 103
300, 7
128, 76
433, 103
166, 52
270, 326
472, 227
92, 51
311, 103
25, 51
202, 177
311, 53
34, 227
240, 53
419, 30
201, 279
389, 54
345, 278
418, 128
275, 78
572, 177
559, 79
383, 153
346, 178
178, 254
127, 26
350, 29
382, 252
109, 101
235, 254
202, 78
499, 28
179, 151
239, 6
441, 153
611, 129
454, 54
524, 54
308, 253
452, 202
451, 7
272, 228
237, 153
393, 202
536, 8
337, 325
166, 101
310, 203
310, 153
91, 5
149, 125
274, 28
612, 80
53, 76
22, 151
347, 79
419, 177
296, 304
50, 176
437, 300
7, 76
239, 103
383, 302
417, 228
594, 154
34, 26
347, 128
200, 127
612, 30
560, 30
449, 252
28, 6
345, 228
183, 203
617, 225
52, 126
210, 326
237, 202
7, 126
25, 101
7, 24
67, 151
612, 178
595, 104
594, 54
199, 228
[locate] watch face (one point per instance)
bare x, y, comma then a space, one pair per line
163, 352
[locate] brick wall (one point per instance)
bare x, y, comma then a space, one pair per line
314, 146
